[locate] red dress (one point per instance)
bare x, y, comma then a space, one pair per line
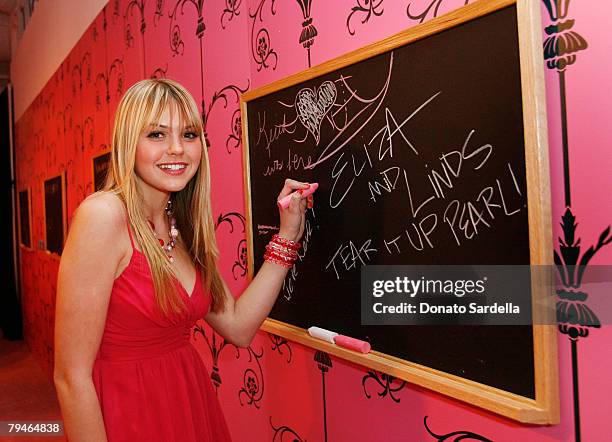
151, 383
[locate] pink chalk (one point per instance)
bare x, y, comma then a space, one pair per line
284, 202
352, 344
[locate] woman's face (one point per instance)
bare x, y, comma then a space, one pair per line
167, 155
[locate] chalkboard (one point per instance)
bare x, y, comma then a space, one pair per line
25, 237
407, 138
100, 165
55, 214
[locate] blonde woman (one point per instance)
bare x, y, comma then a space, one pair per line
139, 268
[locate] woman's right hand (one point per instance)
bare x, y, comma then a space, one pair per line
292, 219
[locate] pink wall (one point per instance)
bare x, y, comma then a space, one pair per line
273, 390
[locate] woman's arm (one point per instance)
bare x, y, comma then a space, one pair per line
87, 270
241, 318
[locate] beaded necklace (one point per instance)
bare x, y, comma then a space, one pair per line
173, 233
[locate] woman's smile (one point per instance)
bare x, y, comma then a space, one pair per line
173, 168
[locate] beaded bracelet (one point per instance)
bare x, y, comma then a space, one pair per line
286, 242
286, 259
279, 255
277, 261
282, 251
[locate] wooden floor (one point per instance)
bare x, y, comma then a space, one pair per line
26, 393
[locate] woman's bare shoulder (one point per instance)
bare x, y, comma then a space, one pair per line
103, 207
99, 217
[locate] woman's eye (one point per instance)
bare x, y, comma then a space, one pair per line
155, 135
191, 135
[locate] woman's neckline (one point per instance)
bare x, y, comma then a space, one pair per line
182, 287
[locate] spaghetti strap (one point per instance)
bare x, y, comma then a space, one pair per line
129, 229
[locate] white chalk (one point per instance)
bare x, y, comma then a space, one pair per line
321, 333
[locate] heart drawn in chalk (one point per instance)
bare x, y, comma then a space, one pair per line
312, 106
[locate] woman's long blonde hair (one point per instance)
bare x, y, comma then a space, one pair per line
142, 105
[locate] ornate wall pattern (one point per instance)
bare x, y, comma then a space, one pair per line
277, 390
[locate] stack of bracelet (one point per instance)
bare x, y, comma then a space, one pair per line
282, 251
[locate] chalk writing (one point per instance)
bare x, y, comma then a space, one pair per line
370, 151
263, 229
311, 106
348, 254
292, 276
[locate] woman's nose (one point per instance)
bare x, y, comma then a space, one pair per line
176, 146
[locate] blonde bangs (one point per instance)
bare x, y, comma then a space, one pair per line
174, 100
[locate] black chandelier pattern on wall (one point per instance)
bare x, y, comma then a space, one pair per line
431, 11
455, 436
285, 434
252, 390
239, 266
216, 345
364, 9
116, 14
231, 10
309, 31
324, 364
51, 157
159, 12
84, 134
81, 71
48, 107
574, 316
94, 31
234, 139
104, 20
252, 381
261, 48
132, 7
278, 342
66, 116
103, 81
386, 384
39, 146
177, 45
560, 51
160, 72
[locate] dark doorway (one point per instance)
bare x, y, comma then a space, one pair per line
10, 307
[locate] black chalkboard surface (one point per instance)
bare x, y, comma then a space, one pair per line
419, 147
55, 223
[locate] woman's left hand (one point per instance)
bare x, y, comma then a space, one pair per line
292, 219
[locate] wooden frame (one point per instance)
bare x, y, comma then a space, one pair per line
62, 176
28, 193
545, 408
93, 167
